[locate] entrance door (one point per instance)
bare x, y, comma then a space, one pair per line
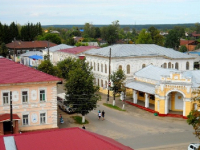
6, 126
178, 101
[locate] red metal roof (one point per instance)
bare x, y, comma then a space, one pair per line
185, 42
29, 44
77, 50
12, 72
66, 138
6, 117
2, 146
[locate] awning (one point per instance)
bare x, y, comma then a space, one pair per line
36, 57
141, 86
6, 117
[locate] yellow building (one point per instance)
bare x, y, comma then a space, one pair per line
33, 95
168, 90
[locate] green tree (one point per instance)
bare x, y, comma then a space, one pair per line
155, 36
172, 40
183, 48
144, 37
89, 31
197, 27
80, 88
47, 67
54, 38
3, 50
117, 79
197, 47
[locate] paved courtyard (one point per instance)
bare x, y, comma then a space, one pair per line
137, 128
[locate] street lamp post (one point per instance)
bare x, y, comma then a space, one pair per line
109, 84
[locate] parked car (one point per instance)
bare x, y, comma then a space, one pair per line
63, 104
193, 146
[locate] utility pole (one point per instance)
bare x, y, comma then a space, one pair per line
109, 84
11, 116
48, 50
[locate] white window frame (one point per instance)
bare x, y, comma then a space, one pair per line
5, 91
44, 116
25, 90
23, 119
40, 89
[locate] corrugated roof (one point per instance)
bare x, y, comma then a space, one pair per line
12, 72
136, 50
141, 86
154, 72
77, 50
29, 44
58, 47
66, 138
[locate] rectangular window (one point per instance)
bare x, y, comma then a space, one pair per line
141, 94
24, 96
25, 120
6, 98
42, 95
42, 118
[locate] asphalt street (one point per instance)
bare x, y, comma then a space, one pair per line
136, 128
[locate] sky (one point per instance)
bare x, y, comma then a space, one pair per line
79, 12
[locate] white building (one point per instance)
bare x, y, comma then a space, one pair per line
53, 49
133, 57
24, 58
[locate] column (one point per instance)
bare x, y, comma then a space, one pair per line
166, 105
16, 129
146, 100
184, 107
134, 96
1, 128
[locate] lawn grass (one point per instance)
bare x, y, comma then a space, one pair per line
113, 107
78, 120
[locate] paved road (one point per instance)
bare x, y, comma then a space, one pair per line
137, 128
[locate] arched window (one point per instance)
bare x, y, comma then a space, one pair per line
105, 68
143, 65
176, 65
120, 67
169, 65
106, 84
101, 83
128, 69
165, 65
98, 67
95, 81
101, 67
98, 82
187, 65
94, 66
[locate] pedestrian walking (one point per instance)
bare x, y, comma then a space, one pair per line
103, 114
99, 114
61, 119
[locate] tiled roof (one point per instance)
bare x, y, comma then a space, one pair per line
6, 117
11, 72
58, 47
136, 50
77, 50
29, 44
66, 138
185, 42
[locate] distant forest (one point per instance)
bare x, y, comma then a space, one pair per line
137, 27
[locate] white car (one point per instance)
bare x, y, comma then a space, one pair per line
193, 146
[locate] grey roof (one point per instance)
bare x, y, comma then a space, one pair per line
154, 73
136, 50
142, 86
30, 53
9, 142
58, 47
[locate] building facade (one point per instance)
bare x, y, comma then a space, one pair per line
33, 95
133, 57
166, 89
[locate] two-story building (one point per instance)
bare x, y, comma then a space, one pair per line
33, 94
